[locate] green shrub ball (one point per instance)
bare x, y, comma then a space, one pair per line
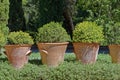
52, 32
19, 37
88, 32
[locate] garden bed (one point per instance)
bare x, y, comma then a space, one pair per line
71, 69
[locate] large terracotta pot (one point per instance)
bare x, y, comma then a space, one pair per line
18, 54
52, 54
115, 53
86, 52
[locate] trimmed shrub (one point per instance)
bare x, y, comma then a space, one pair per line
2, 40
4, 29
88, 32
4, 10
52, 32
3, 34
103, 69
19, 37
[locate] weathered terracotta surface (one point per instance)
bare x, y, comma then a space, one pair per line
115, 53
86, 52
18, 54
52, 54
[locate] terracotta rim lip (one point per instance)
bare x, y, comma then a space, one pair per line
54, 43
84, 43
23, 45
114, 44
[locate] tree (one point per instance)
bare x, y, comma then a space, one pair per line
16, 20
45, 11
4, 10
68, 13
100, 11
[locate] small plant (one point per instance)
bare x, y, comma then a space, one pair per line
112, 33
19, 38
52, 32
88, 32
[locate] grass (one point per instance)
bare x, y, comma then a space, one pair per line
71, 69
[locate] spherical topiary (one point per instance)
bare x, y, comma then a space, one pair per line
88, 32
19, 37
52, 32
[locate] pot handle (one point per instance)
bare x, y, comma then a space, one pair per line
28, 52
44, 51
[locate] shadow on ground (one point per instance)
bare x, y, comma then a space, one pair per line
35, 61
102, 49
3, 59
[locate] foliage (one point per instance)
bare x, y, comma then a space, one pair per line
3, 34
88, 32
24, 2
52, 32
16, 20
103, 69
97, 10
52, 10
4, 29
2, 40
112, 32
40, 12
19, 37
31, 14
4, 10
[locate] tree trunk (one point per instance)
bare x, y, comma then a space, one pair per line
68, 22
67, 13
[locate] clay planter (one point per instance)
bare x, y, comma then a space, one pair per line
115, 53
52, 54
86, 52
18, 54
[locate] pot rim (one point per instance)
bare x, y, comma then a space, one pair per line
54, 43
19, 45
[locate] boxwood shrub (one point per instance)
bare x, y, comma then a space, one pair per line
52, 32
103, 69
19, 37
3, 34
88, 32
2, 40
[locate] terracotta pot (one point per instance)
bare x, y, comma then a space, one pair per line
18, 54
86, 52
115, 53
52, 54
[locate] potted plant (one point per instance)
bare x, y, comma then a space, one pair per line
18, 48
113, 40
86, 39
52, 40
